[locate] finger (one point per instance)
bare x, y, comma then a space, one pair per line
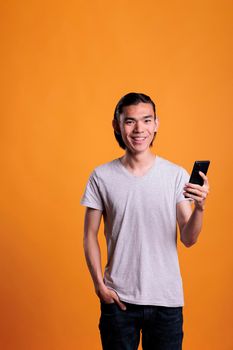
195, 197
192, 185
111, 301
106, 299
200, 193
189, 187
204, 177
119, 303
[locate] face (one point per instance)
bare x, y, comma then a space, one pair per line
137, 126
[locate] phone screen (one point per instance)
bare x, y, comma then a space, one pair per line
199, 165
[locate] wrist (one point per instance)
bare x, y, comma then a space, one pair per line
199, 208
99, 285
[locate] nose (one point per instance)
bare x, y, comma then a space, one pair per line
138, 127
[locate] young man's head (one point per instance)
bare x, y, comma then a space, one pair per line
135, 123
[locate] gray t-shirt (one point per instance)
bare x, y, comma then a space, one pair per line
141, 230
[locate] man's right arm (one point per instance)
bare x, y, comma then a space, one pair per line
93, 256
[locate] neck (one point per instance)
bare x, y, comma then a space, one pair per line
138, 161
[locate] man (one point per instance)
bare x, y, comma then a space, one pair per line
141, 197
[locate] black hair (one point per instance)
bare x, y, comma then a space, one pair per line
132, 98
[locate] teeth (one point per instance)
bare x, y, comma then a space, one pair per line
139, 138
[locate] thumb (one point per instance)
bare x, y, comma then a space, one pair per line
119, 303
204, 177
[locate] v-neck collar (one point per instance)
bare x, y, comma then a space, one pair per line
131, 174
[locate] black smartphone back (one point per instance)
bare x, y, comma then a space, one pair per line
199, 165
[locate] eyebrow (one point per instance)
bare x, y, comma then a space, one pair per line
145, 117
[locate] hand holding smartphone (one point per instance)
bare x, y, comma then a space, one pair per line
199, 165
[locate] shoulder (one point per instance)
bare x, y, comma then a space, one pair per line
171, 167
106, 169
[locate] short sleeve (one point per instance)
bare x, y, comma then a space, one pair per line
92, 196
183, 178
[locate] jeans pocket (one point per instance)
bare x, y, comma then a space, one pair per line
171, 314
108, 308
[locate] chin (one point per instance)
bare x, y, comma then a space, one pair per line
141, 147
138, 149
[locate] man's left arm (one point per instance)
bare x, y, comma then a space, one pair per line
190, 221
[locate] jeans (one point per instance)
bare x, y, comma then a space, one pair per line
161, 327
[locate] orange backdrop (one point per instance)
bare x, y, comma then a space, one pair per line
64, 65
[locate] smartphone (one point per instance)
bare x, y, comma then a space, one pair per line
199, 165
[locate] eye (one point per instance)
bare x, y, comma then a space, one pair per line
129, 122
147, 121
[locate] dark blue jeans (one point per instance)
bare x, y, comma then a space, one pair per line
161, 327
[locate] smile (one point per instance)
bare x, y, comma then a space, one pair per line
138, 138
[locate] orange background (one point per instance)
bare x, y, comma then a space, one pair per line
64, 65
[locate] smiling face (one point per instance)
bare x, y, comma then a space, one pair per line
137, 125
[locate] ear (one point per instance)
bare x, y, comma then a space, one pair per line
156, 124
115, 126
